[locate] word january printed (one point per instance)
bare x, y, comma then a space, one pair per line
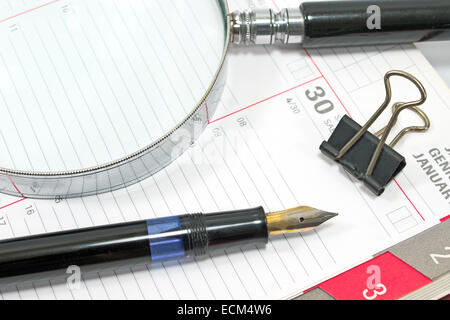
437, 169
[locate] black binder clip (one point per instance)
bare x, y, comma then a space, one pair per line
367, 156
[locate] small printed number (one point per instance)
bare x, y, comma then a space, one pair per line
382, 290
242, 122
30, 210
318, 93
436, 256
217, 132
321, 106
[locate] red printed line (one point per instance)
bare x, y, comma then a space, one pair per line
401, 189
266, 99
15, 202
275, 5
29, 10
328, 83
15, 187
445, 218
346, 110
18, 191
207, 112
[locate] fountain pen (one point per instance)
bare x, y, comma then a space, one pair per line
110, 247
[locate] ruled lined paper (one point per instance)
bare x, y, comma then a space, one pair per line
88, 82
261, 148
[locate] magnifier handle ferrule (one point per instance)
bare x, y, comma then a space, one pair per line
265, 26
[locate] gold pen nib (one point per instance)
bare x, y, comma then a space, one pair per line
298, 219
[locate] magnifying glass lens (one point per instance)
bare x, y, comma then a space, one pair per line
86, 82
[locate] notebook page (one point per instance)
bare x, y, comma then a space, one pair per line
261, 148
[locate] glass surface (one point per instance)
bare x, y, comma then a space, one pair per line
85, 82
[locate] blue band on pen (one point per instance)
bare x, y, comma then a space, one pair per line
164, 244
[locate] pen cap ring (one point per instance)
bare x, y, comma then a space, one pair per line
197, 241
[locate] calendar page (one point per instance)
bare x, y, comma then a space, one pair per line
261, 148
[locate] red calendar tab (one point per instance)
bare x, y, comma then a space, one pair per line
382, 278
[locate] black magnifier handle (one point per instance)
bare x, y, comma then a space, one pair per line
345, 23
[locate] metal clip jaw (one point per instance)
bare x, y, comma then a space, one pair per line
351, 144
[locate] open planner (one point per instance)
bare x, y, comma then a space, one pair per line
262, 148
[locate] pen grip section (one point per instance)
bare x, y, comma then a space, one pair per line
239, 228
357, 23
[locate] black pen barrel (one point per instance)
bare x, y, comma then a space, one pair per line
49, 256
357, 23
55, 255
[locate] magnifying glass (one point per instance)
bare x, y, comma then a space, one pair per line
96, 95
